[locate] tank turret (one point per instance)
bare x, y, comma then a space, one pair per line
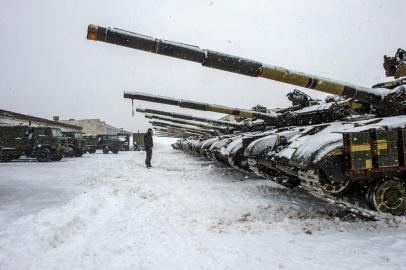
395, 66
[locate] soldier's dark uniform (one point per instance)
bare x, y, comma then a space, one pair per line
148, 144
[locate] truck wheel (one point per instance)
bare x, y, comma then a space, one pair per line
44, 155
115, 151
92, 150
56, 156
6, 158
105, 150
78, 153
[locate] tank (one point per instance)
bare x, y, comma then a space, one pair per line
355, 154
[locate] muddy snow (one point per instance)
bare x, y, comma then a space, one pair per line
109, 212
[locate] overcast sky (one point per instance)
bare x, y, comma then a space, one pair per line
48, 67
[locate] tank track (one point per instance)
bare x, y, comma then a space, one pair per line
310, 183
257, 171
281, 180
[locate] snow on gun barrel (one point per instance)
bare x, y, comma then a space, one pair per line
234, 64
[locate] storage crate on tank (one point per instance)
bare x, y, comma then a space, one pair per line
403, 144
386, 148
358, 148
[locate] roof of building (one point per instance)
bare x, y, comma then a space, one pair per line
4, 113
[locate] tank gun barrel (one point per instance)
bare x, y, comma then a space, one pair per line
185, 122
230, 63
190, 117
188, 104
173, 125
161, 129
175, 132
190, 131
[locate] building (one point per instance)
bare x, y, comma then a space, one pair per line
9, 118
95, 126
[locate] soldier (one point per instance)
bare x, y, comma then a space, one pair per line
148, 143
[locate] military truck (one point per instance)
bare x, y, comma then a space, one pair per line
42, 143
108, 143
104, 142
124, 142
138, 141
75, 143
91, 143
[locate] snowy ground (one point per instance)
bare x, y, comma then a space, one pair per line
109, 212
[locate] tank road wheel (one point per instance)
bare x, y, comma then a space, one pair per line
332, 177
334, 187
44, 155
368, 196
105, 150
389, 196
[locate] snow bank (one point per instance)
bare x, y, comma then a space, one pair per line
109, 212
